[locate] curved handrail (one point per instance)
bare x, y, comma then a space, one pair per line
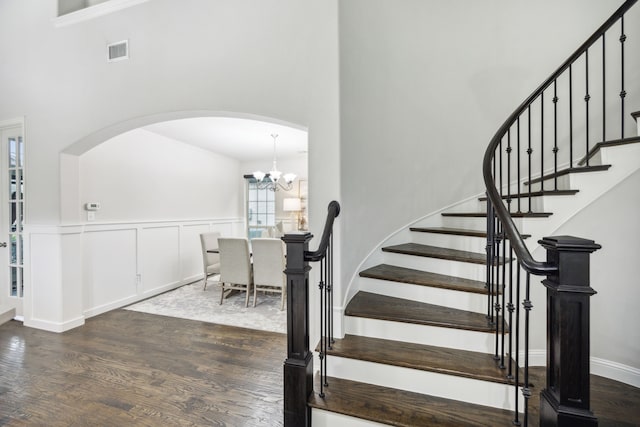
517, 243
332, 212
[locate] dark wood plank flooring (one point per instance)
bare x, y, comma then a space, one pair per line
125, 368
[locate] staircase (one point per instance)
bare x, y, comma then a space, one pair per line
418, 348
424, 341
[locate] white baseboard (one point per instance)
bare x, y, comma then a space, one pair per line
615, 371
55, 326
602, 367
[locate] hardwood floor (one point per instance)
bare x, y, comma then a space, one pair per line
129, 368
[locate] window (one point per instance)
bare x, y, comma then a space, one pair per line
261, 209
16, 214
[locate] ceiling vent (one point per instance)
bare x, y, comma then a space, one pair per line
118, 51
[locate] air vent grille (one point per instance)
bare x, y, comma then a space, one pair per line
118, 51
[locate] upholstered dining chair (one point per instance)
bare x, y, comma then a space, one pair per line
210, 261
235, 266
268, 268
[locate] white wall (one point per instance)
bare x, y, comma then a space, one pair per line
275, 59
610, 221
142, 176
424, 86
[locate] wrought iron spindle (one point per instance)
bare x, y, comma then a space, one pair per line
503, 298
509, 170
496, 276
526, 391
518, 153
555, 135
322, 332
489, 249
330, 262
604, 97
529, 151
327, 315
587, 97
542, 141
570, 116
516, 420
510, 307
623, 93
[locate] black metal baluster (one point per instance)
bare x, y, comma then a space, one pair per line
623, 38
570, 117
496, 276
604, 98
331, 337
518, 152
504, 294
542, 141
509, 170
511, 308
526, 391
529, 151
555, 135
325, 337
587, 97
516, 420
322, 332
489, 249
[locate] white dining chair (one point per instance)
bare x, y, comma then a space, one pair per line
210, 261
235, 266
268, 268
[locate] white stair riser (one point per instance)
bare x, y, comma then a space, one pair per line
455, 387
537, 204
320, 418
451, 241
444, 297
564, 183
439, 266
483, 342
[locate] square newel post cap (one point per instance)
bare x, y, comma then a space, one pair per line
297, 237
569, 244
571, 256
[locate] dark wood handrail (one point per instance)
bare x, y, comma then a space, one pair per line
332, 213
517, 243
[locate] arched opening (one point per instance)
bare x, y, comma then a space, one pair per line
144, 190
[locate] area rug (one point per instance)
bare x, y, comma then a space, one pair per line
191, 302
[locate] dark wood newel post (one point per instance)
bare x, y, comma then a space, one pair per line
298, 367
565, 400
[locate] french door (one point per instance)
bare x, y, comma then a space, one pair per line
12, 217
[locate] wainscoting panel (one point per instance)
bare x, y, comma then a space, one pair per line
190, 250
159, 258
109, 268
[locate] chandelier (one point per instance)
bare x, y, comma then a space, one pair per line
274, 180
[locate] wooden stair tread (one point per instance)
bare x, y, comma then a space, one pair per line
484, 214
536, 194
449, 361
611, 143
423, 278
382, 307
402, 408
456, 231
418, 249
567, 171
